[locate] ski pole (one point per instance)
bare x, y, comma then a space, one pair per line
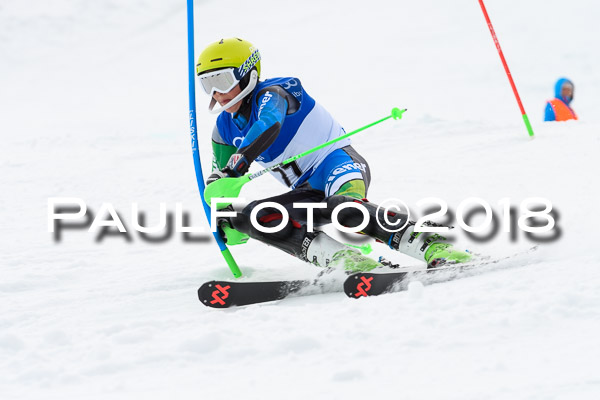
235, 270
510, 79
231, 186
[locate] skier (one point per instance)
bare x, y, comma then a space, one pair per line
269, 121
558, 109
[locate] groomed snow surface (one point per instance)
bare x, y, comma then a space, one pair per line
94, 106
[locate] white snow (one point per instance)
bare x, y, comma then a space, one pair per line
94, 105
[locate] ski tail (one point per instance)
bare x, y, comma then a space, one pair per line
364, 284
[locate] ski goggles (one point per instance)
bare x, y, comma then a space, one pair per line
222, 80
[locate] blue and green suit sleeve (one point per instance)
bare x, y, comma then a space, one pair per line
272, 107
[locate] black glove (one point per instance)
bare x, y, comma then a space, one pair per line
224, 221
237, 165
230, 235
216, 175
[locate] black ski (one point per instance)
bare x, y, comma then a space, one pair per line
222, 294
363, 284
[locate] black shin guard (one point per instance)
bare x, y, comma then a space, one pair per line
293, 237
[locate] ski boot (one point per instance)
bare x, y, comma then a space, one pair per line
327, 252
439, 254
430, 247
427, 246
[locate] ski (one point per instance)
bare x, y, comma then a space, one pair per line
364, 284
223, 294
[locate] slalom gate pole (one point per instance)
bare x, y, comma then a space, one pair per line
230, 187
510, 79
193, 132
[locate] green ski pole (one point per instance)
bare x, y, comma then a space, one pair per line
230, 187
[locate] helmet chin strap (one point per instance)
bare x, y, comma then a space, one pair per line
236, 99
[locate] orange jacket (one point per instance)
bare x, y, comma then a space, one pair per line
562, 112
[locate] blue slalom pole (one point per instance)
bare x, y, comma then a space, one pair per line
194, 134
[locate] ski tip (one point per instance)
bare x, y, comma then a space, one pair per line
358, 285
366, 284
215, 294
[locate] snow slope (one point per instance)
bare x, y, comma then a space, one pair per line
94, 100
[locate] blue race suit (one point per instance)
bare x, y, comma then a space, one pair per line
280, 120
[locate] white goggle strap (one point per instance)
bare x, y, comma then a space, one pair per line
236, 99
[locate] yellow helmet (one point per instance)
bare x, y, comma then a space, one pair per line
225, 64
229, 53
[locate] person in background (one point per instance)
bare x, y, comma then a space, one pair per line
558, 109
